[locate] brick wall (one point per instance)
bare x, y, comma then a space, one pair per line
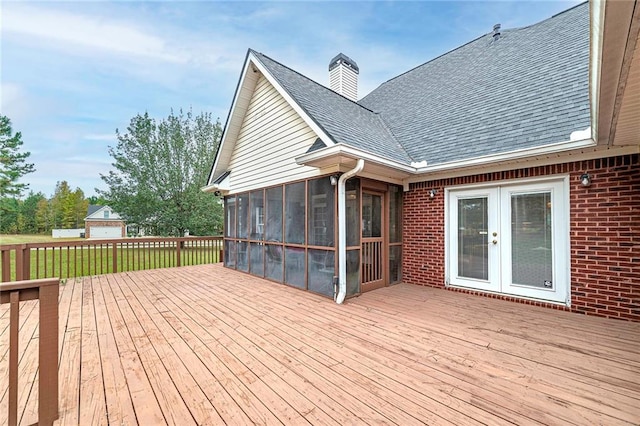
118, 223
604, 234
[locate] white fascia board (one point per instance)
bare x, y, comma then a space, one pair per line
297, 108
223, 186
209, 188
232, 112
418, 173
341, 149
596, 30
510, 156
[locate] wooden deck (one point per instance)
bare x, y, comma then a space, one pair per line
206, 345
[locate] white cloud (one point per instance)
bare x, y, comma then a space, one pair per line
109, 137
67, 29
12, 102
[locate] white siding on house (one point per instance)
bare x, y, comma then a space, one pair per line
271, 137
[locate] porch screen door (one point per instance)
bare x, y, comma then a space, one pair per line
372, 241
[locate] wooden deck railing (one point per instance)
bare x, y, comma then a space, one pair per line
93, 257
47, 292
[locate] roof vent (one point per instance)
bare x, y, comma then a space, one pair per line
496, 32
343, 76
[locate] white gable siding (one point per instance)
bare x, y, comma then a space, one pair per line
271, 137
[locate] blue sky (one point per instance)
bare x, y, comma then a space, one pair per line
73, 72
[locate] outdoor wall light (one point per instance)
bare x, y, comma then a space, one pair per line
432, 193
334, 180
585, 179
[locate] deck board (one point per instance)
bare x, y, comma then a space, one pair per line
206, 345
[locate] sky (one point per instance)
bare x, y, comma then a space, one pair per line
74, 72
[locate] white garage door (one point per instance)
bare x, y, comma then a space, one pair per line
105, 232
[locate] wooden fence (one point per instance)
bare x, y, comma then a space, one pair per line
94, 257
46, 291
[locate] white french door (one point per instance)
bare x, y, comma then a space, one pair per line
510, 239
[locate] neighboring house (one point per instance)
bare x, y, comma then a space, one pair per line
103, 222
507, 167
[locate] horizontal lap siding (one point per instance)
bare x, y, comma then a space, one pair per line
272, 136
604, 234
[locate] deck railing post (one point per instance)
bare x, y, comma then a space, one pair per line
178, 244
48, 381
19, 262
14, 322
6, 265
46, 291
26, 262
115, 257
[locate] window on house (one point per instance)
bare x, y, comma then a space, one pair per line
106, 214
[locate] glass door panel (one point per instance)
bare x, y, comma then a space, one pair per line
531, 248
535, 239
473, 239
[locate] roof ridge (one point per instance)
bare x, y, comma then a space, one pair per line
474, 40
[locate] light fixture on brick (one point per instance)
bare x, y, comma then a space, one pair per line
432, 193
585, 179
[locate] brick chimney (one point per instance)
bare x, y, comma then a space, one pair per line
343, 76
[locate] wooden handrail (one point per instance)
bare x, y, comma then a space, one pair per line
68, 259
46, 290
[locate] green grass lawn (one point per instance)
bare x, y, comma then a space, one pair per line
32, 238
69, 262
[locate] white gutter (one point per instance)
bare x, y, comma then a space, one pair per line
596, 32
342, 231
518, 154
580, 140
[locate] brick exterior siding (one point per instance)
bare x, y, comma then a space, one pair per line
604, 234
117, 223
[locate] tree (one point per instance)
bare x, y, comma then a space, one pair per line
159, 170
28, 211
10, 208
44, 216
97, 200
12, 161
69, 208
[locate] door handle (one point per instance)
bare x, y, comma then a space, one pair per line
494, 242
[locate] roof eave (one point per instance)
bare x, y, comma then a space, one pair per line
615, 72
519, 154
231, 130
320, 156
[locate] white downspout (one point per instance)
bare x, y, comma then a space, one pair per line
342, 231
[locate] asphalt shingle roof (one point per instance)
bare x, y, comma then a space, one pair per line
527, 89
343, 120
92, 209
